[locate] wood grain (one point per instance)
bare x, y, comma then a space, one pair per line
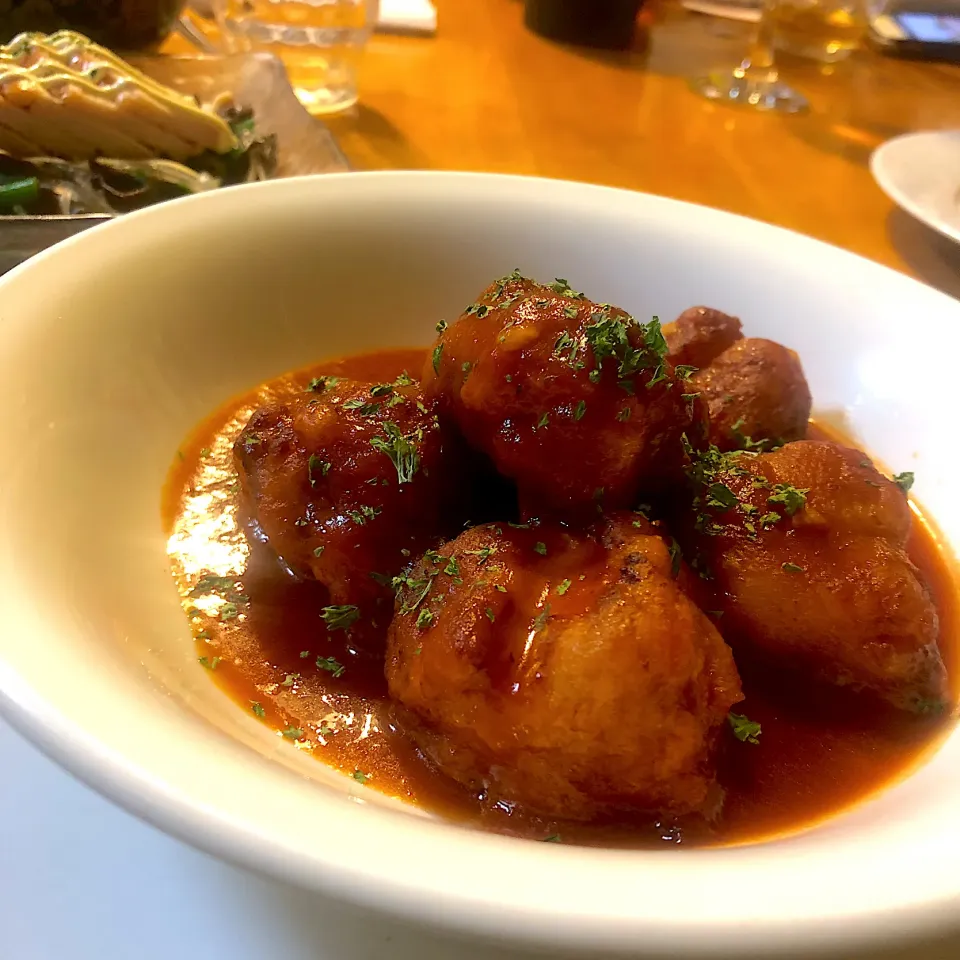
486, 94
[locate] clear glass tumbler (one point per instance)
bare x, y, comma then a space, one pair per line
826, 30
320, 42
755, 82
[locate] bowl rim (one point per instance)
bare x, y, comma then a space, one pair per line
446, 905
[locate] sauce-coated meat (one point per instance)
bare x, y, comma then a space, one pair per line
574, 401
806, 547
348, 481
754, 390
567, 673
699, 335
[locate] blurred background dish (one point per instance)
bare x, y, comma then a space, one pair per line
920, 172
257, 81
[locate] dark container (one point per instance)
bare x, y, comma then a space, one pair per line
609, 24
124, 25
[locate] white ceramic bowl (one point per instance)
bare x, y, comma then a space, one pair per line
115, 344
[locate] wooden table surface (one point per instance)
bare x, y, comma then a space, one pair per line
485, 94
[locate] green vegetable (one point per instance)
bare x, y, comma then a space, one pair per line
563, 587
360, 776
19, 193
293, 733
540, 547
257, 708
402, 453
340, 617
316, 468
744, 729
790, 568
904, 480
789, 497
331, 665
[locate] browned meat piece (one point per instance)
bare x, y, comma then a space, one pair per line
754, 391
806, 547
567, 673
348, 481
573, 400
699, 335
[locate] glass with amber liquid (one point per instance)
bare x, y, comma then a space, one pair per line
320, 42
826, 30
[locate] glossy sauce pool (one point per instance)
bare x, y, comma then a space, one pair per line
819, 751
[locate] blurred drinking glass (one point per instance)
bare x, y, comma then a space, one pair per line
756, 82
826, 30
320, 42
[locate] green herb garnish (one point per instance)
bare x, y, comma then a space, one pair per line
340, 617
904, 480
744, 729
402, 453
331, 665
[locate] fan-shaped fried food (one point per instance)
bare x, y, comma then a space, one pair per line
573, 400
806, 547
567, 673
756, 395
348, 481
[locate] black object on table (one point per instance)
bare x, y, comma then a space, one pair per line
609, 24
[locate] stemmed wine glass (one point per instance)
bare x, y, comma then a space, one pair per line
755, 82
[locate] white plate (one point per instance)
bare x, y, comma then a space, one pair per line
116, 343
921, 173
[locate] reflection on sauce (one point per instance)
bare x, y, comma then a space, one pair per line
260, 634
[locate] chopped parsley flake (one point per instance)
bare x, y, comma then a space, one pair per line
293, 733
290, 679
437, 351
675, 557
789, 497
623, 415
904, 480
319, 384
543, 421
563, 587
331, 665
579, 410
360, 776
304, 654
210, 664
541, 620
744, 729
316, 468
684, 371
540, 547
559, 285
466, 367
570, 311
364, 407
318, 551
340, 617
500, 588
257, 708
425, 619
553, 838
721, 496
229, 611
491, 616
402, 453
441, 326
790, 568
482, 555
